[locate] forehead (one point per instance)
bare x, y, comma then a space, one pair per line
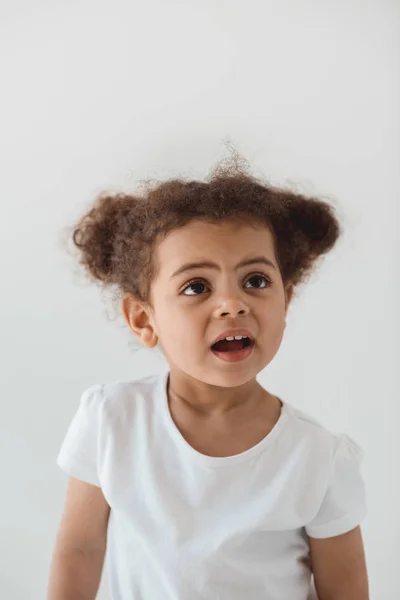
228, 241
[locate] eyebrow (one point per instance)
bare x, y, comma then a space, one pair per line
210, 265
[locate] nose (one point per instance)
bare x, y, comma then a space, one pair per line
231, 304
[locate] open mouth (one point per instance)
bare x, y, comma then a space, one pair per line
232, 345
233, 349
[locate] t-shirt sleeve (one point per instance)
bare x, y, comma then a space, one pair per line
344, 504
78, 456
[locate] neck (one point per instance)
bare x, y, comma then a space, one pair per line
213, 400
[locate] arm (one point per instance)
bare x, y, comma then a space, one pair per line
80, 547
339, 567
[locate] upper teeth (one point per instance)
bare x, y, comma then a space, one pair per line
235, 337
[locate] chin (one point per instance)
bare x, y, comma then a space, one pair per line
229, 378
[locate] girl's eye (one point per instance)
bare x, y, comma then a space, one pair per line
196, 286
259, 280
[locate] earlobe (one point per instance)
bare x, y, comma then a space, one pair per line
148, 337
137, 319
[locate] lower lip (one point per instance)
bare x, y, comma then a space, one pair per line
236, 355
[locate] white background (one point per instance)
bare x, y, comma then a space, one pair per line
98, 95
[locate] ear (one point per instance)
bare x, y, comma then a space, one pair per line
288, 295
138, 317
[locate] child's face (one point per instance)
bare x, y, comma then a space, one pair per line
188, 318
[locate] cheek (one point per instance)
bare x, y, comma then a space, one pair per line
273, 323
278, 331
180, 328
172, 323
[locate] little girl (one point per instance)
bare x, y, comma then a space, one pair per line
200, 483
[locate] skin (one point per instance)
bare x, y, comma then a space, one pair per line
219, 406
196, 375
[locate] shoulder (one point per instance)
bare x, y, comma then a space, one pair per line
307, 428
118, 398
326, 463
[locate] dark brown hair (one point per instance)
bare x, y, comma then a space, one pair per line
116, 237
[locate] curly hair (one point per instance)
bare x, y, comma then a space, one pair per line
116, 237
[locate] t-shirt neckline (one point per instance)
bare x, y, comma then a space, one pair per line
217, 461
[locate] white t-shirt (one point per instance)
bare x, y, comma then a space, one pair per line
186, 526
